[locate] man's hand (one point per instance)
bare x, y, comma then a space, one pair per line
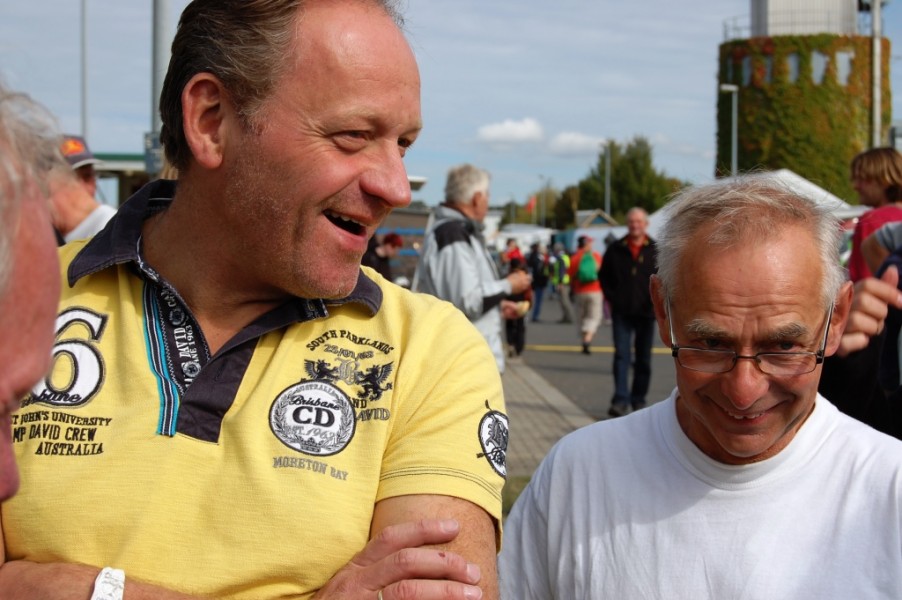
870, 303
398, 563
509, 310
520, 281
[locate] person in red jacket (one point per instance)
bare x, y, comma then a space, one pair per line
877, 177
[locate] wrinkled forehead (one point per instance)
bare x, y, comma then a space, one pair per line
749, 269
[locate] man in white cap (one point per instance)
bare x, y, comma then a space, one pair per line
76, 213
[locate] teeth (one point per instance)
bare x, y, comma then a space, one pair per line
344, 218
742, 417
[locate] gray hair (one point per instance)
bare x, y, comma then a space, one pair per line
30, 149
245, 44
464, 181
746, 208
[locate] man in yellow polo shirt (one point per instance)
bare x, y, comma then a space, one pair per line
237, 410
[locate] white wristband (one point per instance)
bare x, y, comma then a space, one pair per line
109, 585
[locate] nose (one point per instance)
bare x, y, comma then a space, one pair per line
744, 384
386, 178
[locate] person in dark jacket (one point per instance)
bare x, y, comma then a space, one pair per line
625, 272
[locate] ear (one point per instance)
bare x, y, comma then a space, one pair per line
204, 103
841, 310
659, 301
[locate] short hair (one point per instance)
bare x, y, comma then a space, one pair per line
637, 210
882, 166
393, 239
464, 182
30, 150
746, 208
245, 44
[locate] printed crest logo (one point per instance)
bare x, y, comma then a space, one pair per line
313, 417
493, 434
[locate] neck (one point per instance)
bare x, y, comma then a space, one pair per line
71, 205
192, 259
464, 209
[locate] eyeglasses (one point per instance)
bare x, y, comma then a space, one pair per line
781, 364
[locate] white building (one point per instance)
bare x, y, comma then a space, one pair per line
803, 17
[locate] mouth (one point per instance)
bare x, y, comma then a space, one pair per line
746, 417
346, 223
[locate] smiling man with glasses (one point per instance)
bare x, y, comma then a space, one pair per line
744, 483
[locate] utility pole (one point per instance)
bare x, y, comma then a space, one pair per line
877, 73
161, 41
84, 68
607, 178
153, 151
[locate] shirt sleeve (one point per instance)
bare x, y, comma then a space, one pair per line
523, 565
449, 427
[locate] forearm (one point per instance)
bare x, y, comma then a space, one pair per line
24, 580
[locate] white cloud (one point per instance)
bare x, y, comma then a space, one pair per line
571, 143
511, 132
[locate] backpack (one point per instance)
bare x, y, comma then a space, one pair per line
587, 272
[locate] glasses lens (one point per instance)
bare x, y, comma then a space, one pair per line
706, 361
715, 361
787, 364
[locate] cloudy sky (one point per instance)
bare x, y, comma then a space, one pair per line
528, 89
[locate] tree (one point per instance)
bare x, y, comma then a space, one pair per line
634, 180
566, 206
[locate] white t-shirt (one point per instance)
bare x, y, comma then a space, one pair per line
92, 224
632, 509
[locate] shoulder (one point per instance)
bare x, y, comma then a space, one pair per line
401, 304
861, 444
452, 231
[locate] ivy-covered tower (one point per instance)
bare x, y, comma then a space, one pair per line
804, 87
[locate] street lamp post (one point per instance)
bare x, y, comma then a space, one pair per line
734, 90
607, 178
876, 73
84, 69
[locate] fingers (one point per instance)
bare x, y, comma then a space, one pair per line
509, 309
399, 562
427, 573
870, 305
852, 342
891, 278
407, 535
885, 290
867, 318
431, 590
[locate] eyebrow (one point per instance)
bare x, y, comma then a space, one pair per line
703, 329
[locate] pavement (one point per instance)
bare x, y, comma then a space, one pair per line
539, 416
553, 389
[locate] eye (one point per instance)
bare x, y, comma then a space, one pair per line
783, 346
405, 144
351, 140
712, 344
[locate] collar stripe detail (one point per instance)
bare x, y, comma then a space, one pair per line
156, 355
